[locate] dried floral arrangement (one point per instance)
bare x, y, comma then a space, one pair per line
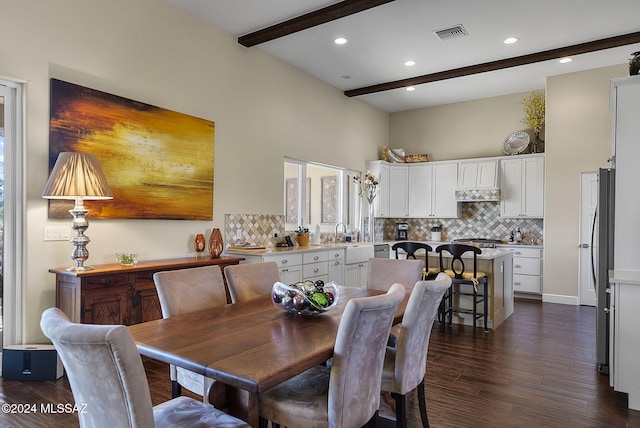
533, 108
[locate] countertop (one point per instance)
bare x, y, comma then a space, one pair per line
631, 277
295, 249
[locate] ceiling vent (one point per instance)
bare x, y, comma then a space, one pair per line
452, 33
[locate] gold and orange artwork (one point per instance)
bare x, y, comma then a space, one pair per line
158, 162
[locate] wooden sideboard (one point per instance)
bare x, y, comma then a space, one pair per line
115, 294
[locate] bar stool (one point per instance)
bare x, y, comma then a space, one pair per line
410, 248
463, 283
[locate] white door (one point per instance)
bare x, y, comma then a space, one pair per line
588, 203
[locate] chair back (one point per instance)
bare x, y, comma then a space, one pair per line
456, 266
415, 331
356, 373
411, 247
250, 280
189, 290
104, 370
382, 273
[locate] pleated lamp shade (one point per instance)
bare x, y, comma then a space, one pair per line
77, 176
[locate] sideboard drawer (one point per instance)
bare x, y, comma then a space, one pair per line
117, 280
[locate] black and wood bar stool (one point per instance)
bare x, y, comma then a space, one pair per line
464, 282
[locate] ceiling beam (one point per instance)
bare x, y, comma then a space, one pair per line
308, 20
582, 48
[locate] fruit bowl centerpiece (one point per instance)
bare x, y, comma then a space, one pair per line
305, 297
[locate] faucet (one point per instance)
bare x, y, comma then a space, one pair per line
344, 230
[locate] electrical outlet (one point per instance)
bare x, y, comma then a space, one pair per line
275, 233
57, 233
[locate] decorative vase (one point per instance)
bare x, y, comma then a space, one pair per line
303, 240
215, 243
372, 224
199, 244
634, 64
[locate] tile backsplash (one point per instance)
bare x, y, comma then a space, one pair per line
255, 229
479, 220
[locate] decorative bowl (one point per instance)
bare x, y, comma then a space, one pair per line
127, 259
306, 297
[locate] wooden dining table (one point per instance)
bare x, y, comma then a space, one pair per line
250, 346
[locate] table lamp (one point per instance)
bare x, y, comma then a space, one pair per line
78, 176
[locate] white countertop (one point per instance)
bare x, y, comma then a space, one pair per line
295, 249
624, 277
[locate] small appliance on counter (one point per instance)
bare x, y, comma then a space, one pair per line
402, 231
436, 233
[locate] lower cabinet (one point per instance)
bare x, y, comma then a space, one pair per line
355, 275
114, 294
527, 270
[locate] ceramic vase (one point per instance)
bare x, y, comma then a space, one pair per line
303, 240
215, 243
199, 244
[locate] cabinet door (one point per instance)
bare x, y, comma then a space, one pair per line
382, 201
419, 183
355, 275
467, 175
445, 180
398, 190
336, 271
105, 306
487, 175
533, 187
510, 188
291, 274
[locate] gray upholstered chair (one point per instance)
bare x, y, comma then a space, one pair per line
250, 280
189, 290
347, 394
381, 273
405, 365
106, 374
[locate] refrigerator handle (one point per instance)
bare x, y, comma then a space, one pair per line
593, 233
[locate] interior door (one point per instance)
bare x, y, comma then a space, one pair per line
588, 229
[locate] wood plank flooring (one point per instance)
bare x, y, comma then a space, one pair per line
536, 370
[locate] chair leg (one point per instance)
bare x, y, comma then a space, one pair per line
373, 422
176, 389
475, 310
486, 307
401, 410
263, 423
422, 402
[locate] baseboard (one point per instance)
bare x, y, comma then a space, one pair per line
557, 298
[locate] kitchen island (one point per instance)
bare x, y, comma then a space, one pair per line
497, 263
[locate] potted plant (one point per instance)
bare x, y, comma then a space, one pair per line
302, 236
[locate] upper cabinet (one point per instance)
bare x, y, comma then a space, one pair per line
416, 190
522, 187
478, 174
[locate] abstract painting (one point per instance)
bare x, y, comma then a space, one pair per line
158, 162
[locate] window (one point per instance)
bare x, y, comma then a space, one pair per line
318, 194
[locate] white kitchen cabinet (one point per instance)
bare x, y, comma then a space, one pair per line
289, 265
443, 191
478, 174
381, 202
527, 270
315, 266
355, 274
522, 187
398, 191
336, 266
420, 177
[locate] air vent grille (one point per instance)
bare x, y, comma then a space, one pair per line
452, 33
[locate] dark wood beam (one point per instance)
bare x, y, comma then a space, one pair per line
308, 20
581, 48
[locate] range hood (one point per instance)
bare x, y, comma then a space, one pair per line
489, 194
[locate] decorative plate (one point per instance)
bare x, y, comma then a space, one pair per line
516, 143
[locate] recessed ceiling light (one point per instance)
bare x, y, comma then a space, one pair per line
410, 88
565, 60
340, 41
410, 63
510, 40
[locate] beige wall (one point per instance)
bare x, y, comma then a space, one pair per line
458, 131
578, 138
150, 51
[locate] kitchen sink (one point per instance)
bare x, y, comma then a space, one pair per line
357, 253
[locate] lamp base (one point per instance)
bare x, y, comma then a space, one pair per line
80, 241
79, 268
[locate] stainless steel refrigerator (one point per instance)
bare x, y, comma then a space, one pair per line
602, 261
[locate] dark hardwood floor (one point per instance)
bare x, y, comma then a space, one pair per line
536, 370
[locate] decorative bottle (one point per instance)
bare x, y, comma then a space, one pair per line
215, 243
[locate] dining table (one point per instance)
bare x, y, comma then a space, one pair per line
250, 346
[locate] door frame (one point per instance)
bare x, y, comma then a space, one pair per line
14, 209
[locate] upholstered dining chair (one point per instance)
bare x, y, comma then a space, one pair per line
382, 273
107, 377
250, 280
405, 364
347, 394
465, 284
188, 290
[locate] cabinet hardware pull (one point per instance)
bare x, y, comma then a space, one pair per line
316, 258
517, 283
316, 270
517, 266
285, 270
284, 262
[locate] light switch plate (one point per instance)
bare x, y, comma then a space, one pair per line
57, 233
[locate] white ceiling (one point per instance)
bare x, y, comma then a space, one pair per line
381, 39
